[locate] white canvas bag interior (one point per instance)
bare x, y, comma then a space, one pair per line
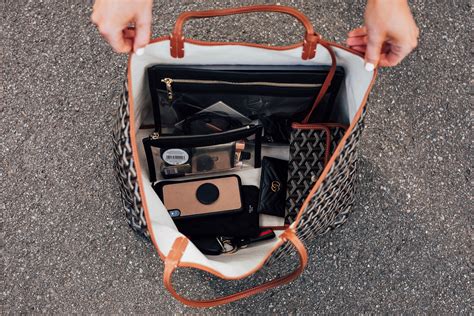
161, 227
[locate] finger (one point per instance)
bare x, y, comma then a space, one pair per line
356, 41
118, 42
386, 61
372, 54
393, 57
129, 33
360, 31
361, 48
385, 48
142, 30
95, 18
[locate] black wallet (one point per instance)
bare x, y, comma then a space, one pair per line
273, 183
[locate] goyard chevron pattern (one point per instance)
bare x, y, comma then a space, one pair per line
125, 168
307, 154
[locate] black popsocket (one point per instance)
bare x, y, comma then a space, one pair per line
207, 193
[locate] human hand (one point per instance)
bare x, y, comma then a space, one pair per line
389, 34
113, 18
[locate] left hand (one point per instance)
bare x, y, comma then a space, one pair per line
389, 34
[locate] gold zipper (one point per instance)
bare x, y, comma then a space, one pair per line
168, 82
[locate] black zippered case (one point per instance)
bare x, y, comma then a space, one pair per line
275, 94
189, 142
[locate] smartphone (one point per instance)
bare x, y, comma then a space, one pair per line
201, 197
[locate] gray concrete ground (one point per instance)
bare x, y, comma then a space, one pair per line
65, 244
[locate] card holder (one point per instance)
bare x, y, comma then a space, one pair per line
202, 154
273, 181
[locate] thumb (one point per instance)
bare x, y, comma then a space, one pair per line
372, 53
142, 30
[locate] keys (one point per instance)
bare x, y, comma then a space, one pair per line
264, 235
228, 245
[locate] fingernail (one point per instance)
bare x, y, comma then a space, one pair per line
369, 67
140, 51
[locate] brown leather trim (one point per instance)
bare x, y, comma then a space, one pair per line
204, 43
177, 251
310, 42
174, 256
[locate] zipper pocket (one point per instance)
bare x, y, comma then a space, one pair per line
202, 140
169, 82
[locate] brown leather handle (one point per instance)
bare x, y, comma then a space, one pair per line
310, 39
177, 250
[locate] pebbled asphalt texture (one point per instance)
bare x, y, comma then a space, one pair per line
66, 247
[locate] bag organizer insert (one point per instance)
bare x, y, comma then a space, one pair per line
197, 111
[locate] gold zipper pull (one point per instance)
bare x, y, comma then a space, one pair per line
168, 82
154, 135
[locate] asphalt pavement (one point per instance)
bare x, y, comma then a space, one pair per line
66, 247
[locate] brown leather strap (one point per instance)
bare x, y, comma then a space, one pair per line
327, 81
311, 38
175, 254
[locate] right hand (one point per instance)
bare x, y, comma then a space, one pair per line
113, 17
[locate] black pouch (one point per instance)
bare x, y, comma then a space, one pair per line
273, 183
197, 154
283, 93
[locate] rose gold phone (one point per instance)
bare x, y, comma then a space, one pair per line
203, 196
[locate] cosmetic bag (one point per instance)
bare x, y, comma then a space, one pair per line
322, 161
273, 94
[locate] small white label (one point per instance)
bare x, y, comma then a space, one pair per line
175, 156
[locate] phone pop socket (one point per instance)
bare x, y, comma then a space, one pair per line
207, 193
